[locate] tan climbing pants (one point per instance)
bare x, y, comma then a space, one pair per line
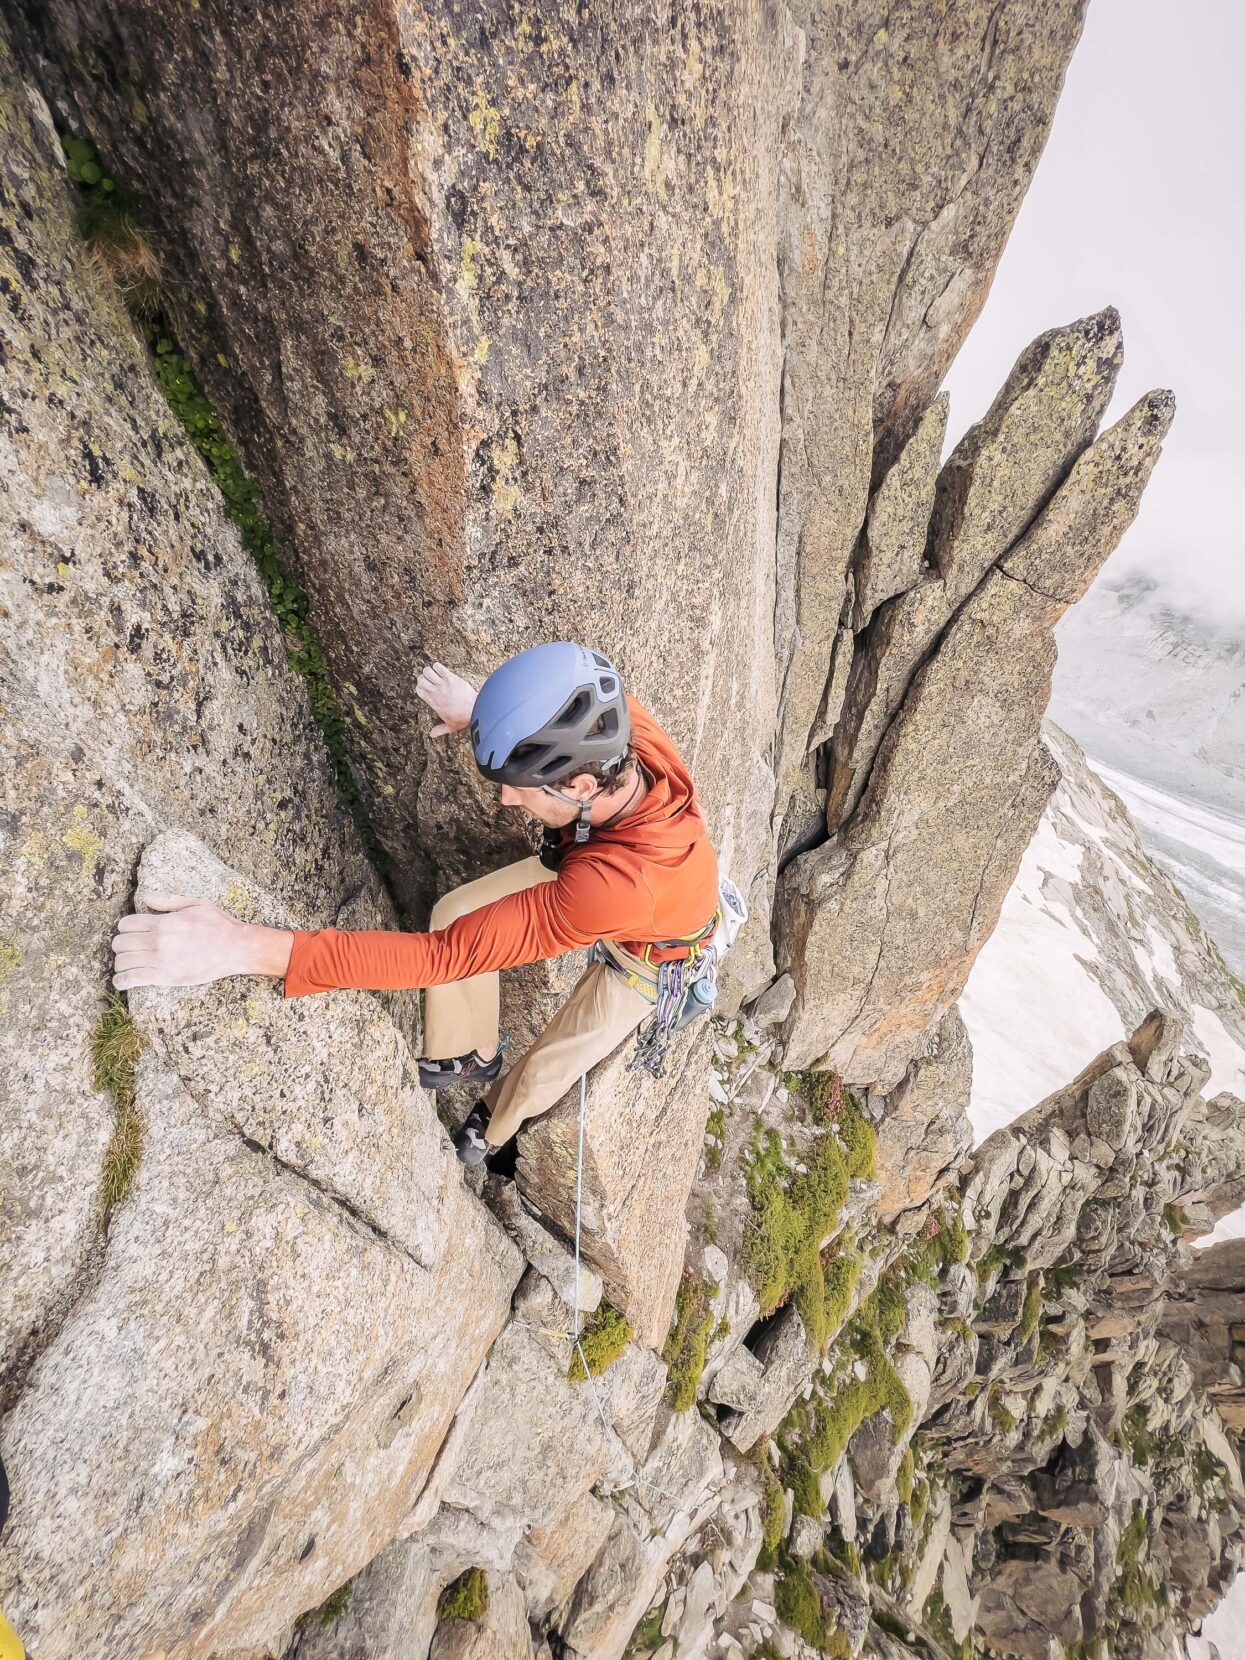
601, 1011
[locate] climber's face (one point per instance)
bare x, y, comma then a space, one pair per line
551, 810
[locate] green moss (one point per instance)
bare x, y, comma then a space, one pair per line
684, 1351
115, 1047
906, 1476
110, 226
952, 1236
798, 1604
329, 1611
936, 1617
601, 1341
1175, 1218
1000, 1415
715, 1135
842, 1275
791, 1214
885, 1311
859, 1141
773, 1515
997, 1257
806, 1499
647, 1635
1031, 1312
465, 1598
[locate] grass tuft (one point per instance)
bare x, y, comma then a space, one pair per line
684, 1351
465, 1598
116, 1045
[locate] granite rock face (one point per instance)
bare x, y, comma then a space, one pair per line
561, 323
144, 684
311, 1192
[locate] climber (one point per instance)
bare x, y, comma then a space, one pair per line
626, 868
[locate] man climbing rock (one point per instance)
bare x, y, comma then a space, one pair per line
626, 867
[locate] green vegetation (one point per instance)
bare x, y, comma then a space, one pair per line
1065, 1278
952, 1236
115, 1047
999, 1414
684, 1351
715, 1135
936, 1617
773, 1515
799, 1605
465, 1598
329, 1611
1136, 1589
1031, 1312
792, 1212
827, 1421
999, 1256
1175, 1218
602, 1340
110, 227
647, 1635
905, 1477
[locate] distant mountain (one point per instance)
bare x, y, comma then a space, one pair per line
1156, 698
1092, 935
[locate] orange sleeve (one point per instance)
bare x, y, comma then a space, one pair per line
588, 900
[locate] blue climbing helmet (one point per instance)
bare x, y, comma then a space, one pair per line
548, 711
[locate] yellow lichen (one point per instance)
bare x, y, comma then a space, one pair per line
485, 121
10, 956
81, 839
359, 370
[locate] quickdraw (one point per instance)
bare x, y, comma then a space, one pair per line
683, 989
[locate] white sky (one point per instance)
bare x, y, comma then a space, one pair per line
1137, 203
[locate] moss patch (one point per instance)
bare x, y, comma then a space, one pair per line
116, 1045
798, 1603
602, 1340
110, 227
329, 1611
773, 1515
465, 1598
792, 1212
684, 1351
1031, 1313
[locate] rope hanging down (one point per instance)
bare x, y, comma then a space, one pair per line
634, 1478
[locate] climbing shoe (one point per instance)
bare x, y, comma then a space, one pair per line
469, 1143
463, 1069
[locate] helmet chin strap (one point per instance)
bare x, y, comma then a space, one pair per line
583, 825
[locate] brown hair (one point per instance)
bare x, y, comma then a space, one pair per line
610, 781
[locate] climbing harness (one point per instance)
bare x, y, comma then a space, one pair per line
685, 987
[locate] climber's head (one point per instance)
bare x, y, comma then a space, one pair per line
551, 726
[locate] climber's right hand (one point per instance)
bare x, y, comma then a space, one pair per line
191, 942
449, 696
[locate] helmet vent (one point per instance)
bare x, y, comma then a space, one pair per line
575, 710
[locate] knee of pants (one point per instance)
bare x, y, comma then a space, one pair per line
448, 909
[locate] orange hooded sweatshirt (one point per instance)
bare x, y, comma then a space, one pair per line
652, 876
